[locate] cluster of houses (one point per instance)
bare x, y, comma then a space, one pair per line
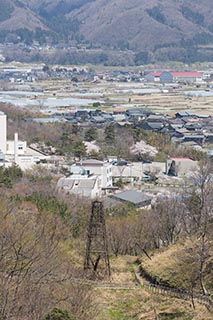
183, 77
86, 178
185, 127
89, 178
93, 178
33, 73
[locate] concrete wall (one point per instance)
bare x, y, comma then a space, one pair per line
183, 166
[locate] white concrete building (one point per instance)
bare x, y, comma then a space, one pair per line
83, 185
18, 153
88, 179
21, 147
3, 132
100, 168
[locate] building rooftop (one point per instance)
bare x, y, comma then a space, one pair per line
181, 159
186, 74
132, 196
92, 162
155, 125
80, 185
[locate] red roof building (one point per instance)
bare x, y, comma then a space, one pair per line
182, 76
186, 74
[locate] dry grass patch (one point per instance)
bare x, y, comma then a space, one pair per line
141, 304
121, 269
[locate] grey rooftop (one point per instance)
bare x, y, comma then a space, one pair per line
132, 196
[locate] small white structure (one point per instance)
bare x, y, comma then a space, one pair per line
3, 132
16, 147
17, 152
100, 168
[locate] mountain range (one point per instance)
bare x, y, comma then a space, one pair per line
164, 28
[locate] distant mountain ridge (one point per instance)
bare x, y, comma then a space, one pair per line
167, 29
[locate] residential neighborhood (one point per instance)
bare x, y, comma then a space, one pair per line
106, 160
120, 99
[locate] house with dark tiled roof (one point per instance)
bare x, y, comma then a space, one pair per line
184, 114
150, 126
155, 126
195, 137
157, 118
137, 114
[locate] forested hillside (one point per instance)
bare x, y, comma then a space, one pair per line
168, 30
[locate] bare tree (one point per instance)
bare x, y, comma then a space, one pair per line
199, 206
168, 211
35, 271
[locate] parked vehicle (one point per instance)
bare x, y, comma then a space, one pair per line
122, 163
146, 161
148, 178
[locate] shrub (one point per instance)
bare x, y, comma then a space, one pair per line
58, 314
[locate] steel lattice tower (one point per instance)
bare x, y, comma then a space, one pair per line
96, 264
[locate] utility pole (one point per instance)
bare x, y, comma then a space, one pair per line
96, 263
